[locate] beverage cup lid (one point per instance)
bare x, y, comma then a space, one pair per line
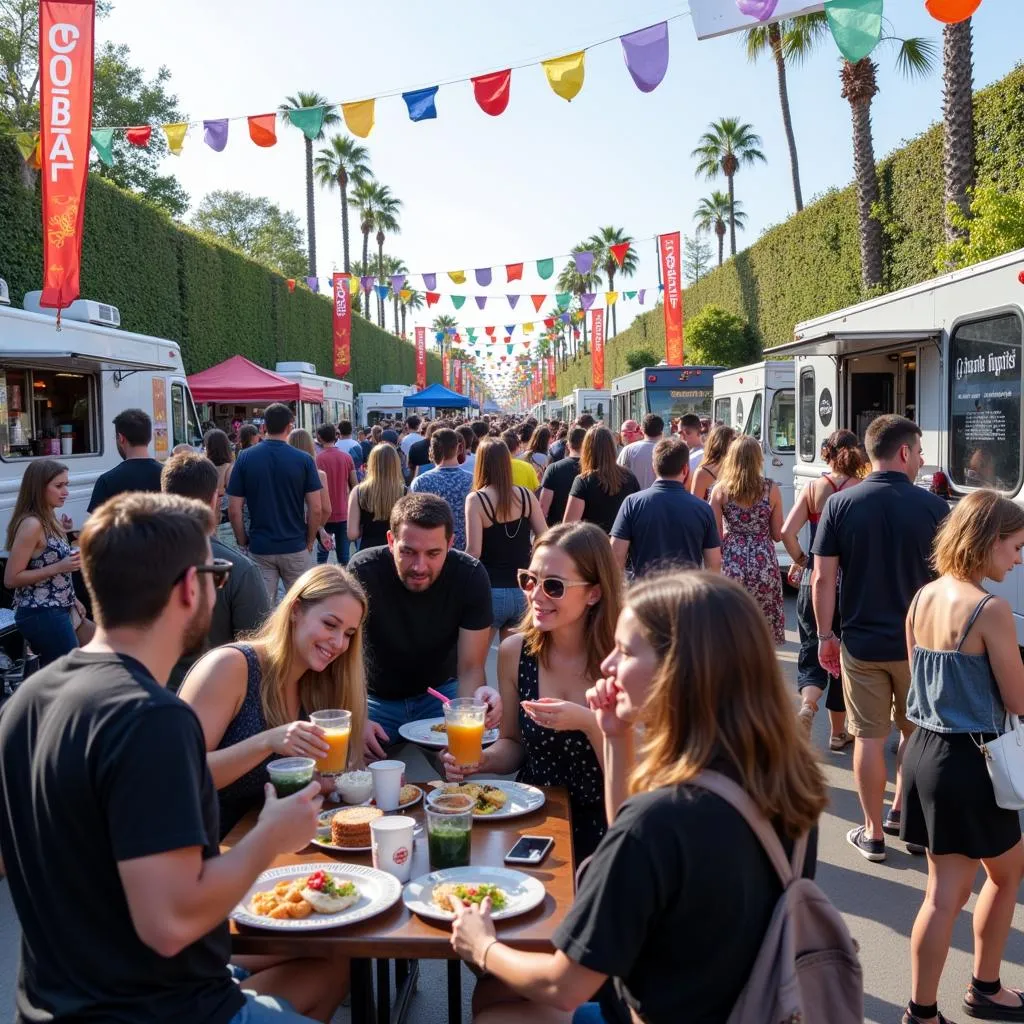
291, 764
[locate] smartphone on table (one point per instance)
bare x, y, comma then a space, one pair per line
530, 850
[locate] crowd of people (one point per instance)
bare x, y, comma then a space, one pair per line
213, 622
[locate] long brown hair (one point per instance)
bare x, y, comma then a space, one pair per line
343, 683
843, 452
598, 458
742, 474
303, 440
587, 546
966, 537
493, 468
539, 441
31, 501
384, 484
719, 442
718, 694
218, 447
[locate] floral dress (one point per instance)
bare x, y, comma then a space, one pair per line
748, 556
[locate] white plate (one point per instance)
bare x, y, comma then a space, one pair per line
370, 803
421, 733
522, 799
524, 892
377, 892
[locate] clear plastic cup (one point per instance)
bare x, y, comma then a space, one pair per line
449, 829
337, 725
464, 720
290, 774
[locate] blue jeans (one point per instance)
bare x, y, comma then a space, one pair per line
390, 714
48, 631
262, 1009
589, 1013
809, 670
508, 605
339, 531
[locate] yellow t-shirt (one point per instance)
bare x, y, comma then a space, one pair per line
524, 475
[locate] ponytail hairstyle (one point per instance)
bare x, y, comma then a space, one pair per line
843, 452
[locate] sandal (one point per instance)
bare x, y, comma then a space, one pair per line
983, 1008
808, 709
839, 741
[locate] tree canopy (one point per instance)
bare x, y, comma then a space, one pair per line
715, 337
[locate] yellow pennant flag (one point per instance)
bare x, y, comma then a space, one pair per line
527, 328
359, 117
457, 276
175, 136
565, 74
353, 285
26, 143
405, 294
610, 298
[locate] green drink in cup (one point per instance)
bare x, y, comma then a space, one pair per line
291, 774
449, 830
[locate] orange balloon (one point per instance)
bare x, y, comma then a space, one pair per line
951, 11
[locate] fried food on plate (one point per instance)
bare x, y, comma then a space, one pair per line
488, 798
298, 898
409, 793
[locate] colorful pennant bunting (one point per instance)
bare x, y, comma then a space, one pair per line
512, 300
103, 143
483, 276
610, 298
309, 120
565, 74
176, 136
492, 91
514, 272
481, 301
545, 268
856, 26
381, 290
215, 134
760, 9
538, 301
397, 282
263, 130
429, 281
421, 103
646, 56
584, 261
313, 284
619, 251
139, 136
457, 276
431, 298
951, 11
359, 117
458, 301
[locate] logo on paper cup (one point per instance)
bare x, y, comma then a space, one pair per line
401, 855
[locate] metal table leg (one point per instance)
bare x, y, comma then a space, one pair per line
406, 976
362, 992
383, 992
454, 991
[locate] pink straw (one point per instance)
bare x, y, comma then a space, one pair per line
435, 693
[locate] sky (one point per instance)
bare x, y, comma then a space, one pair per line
480, 191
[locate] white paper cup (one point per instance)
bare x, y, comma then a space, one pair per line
392, 840
387, 783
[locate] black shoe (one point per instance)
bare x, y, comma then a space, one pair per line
871, 849
909, 1018
891, 825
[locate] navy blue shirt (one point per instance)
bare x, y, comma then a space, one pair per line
274, 478
882, 532
666, 524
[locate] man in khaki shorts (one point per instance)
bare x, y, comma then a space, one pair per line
880, 535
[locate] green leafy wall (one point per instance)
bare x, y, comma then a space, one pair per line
170, 282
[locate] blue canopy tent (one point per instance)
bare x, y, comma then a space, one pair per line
437, 396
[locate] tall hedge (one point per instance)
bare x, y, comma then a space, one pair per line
810, 264
170, 282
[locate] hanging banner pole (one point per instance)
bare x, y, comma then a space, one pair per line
671, 262
597, 348
421, 357
66, 52
342, 325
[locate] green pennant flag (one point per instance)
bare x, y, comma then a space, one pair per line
856, 26
562, 298
458, 300
545, 268
309, 119
103, 142
630, 295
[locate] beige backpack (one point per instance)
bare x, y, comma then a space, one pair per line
807, 970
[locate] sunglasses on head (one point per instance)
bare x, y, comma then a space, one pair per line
552, 586
219, 569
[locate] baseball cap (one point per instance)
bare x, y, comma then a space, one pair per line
391, 436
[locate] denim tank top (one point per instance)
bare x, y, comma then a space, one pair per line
53, 592
953, 692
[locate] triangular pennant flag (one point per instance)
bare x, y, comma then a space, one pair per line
291, 284
619, 251
397, 282
458, 301
481, 301
353, 285
263, 130
432, 298
549, 323
565, 74
610, 298
646, 55
538, 301
26, 143
483, 276
215, 134
405, 295
509, 328
661, 288
421, 103
457, 276
492, 91
587, 299
366, 282
527, 328
584, 261
103, 141
490, 331
512, 300
139, 136
176, 136
359, 117
545, 268
631, 295
856, 26
309, 120
429, 281
640, 295
562, 298
514, 271
313, 284
508, 348
381, 290
564, 318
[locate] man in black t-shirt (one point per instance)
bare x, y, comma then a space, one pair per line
108, 813
558, 478
429, 621
133, 430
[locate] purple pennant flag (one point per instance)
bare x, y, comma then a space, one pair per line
215, 134
483, 277
397, 282
646, 54
584, 261
366, 283
640, 295
760, 9
481, 301
314, 284
430, 282
587, 299
512, 300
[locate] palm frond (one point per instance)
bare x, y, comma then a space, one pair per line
915, 57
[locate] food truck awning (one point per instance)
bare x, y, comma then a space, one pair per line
241, 382
845, 343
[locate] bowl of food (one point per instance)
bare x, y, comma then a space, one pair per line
354, 787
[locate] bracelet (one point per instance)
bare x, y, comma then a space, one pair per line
822, 637
483, 959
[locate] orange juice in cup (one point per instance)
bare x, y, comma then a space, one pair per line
464, 723
336, 725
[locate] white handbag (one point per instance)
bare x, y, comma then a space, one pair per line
1004, 758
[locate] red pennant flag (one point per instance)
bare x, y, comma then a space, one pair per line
432, 298
139, 136
291, 284
490, 331
549, 323
538, 301
492, 91
263, 129
619, 251
514, 271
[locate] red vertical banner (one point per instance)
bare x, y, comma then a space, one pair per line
342, 325
671, 263
552, 378
446, 369
538, 388
457, 366
421, 357
597, 348
66, 50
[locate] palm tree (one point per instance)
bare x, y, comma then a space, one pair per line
712, 214
331, 117
724, 148
378, 208
394, 265
342, 162
957, 120
571, 280
441, 325
415, 301
604, 239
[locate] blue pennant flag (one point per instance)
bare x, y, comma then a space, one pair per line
381, 290
509, 328
421, 104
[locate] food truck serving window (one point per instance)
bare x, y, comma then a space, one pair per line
49, 412
985, 395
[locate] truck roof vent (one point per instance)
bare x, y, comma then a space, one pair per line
84, 310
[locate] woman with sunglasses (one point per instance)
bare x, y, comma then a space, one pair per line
573, 592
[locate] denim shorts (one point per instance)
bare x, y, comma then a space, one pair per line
262, 1009
508, 605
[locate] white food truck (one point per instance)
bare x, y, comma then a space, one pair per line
337, 403
586, 400
373, 406
946, 353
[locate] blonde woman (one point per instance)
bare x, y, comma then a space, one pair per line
750, 506
370, 504
719, 441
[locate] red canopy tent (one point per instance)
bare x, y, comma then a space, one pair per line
239, 381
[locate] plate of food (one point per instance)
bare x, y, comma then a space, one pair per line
308, 897
430, 732
512, 892
497, 799
347, 830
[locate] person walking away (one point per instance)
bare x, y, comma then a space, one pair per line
281, 488
750, 505
419, 450
412, 433
703, 480
254, 698
879, 534
218, 450
369, 440
847, 463
303, 441
691, 432
371, 502
336, 466
499, 518
558, 479
248, 436
574, 594
114, 796
241, 603
523, 473
664, 525
447, 480
638, 457
480, 429
40, 563
133, 432
391, 437
429, 621
537, 449
602, 486
966, 673
693, 667
351, 447
560, 446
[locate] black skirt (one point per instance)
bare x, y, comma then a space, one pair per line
948, 803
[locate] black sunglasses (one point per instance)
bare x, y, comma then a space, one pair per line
553, 586
219, 569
